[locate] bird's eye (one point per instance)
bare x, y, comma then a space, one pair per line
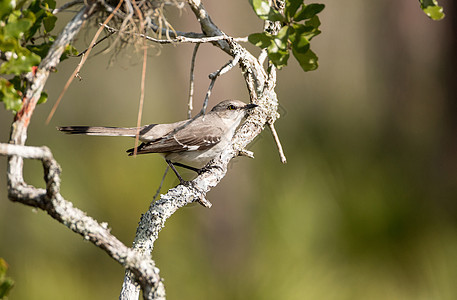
231, 107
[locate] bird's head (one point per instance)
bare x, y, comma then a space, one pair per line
232, 109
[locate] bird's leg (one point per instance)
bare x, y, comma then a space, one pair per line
209, 167
198, 171
188, 167
202, 201
182, 181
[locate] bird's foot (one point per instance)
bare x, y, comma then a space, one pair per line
208, 168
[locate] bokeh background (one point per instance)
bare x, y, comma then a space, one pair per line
365, 208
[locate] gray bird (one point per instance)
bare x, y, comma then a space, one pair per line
186, 144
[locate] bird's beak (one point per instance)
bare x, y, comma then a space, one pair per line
250, 106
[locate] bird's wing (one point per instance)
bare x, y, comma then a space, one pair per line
186, 139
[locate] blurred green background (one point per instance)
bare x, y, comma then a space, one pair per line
365, 208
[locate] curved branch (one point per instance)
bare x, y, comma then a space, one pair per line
66, 6
56, 206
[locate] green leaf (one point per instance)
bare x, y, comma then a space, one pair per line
307, 61
21, 64
16, 29
279, 59
6, 7
41, 50
9, 44
432, 9
35, 6
299, 38
434, 12
36, 25
51, 3
312, 25
277, 56
43, 98
49, 23
265, 11
18, 84
69, 51
291, 8
308, 11
9, 96
261, 7
282, 38
313, 22
261, 40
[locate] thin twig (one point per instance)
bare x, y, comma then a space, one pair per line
126, 16
247, 153
78, 68
213, 76
143, 80
166, 32
110, 33
278, 143
227, 67
183, 38
191, 84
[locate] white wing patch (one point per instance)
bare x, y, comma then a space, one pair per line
204, 143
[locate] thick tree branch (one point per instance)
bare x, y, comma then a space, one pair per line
66, 6
261, 89
207, 26
56, 206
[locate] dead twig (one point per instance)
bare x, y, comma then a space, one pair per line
143, 80
110, 33
278, 143
83, 60
191, 83
213, 76
182, 38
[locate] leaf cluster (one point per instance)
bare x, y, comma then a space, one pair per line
299, 24
25, 39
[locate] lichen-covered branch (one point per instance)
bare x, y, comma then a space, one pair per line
51, 201
261, 86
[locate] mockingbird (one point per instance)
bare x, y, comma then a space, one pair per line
190, 143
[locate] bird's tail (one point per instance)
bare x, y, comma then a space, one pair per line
100, 131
